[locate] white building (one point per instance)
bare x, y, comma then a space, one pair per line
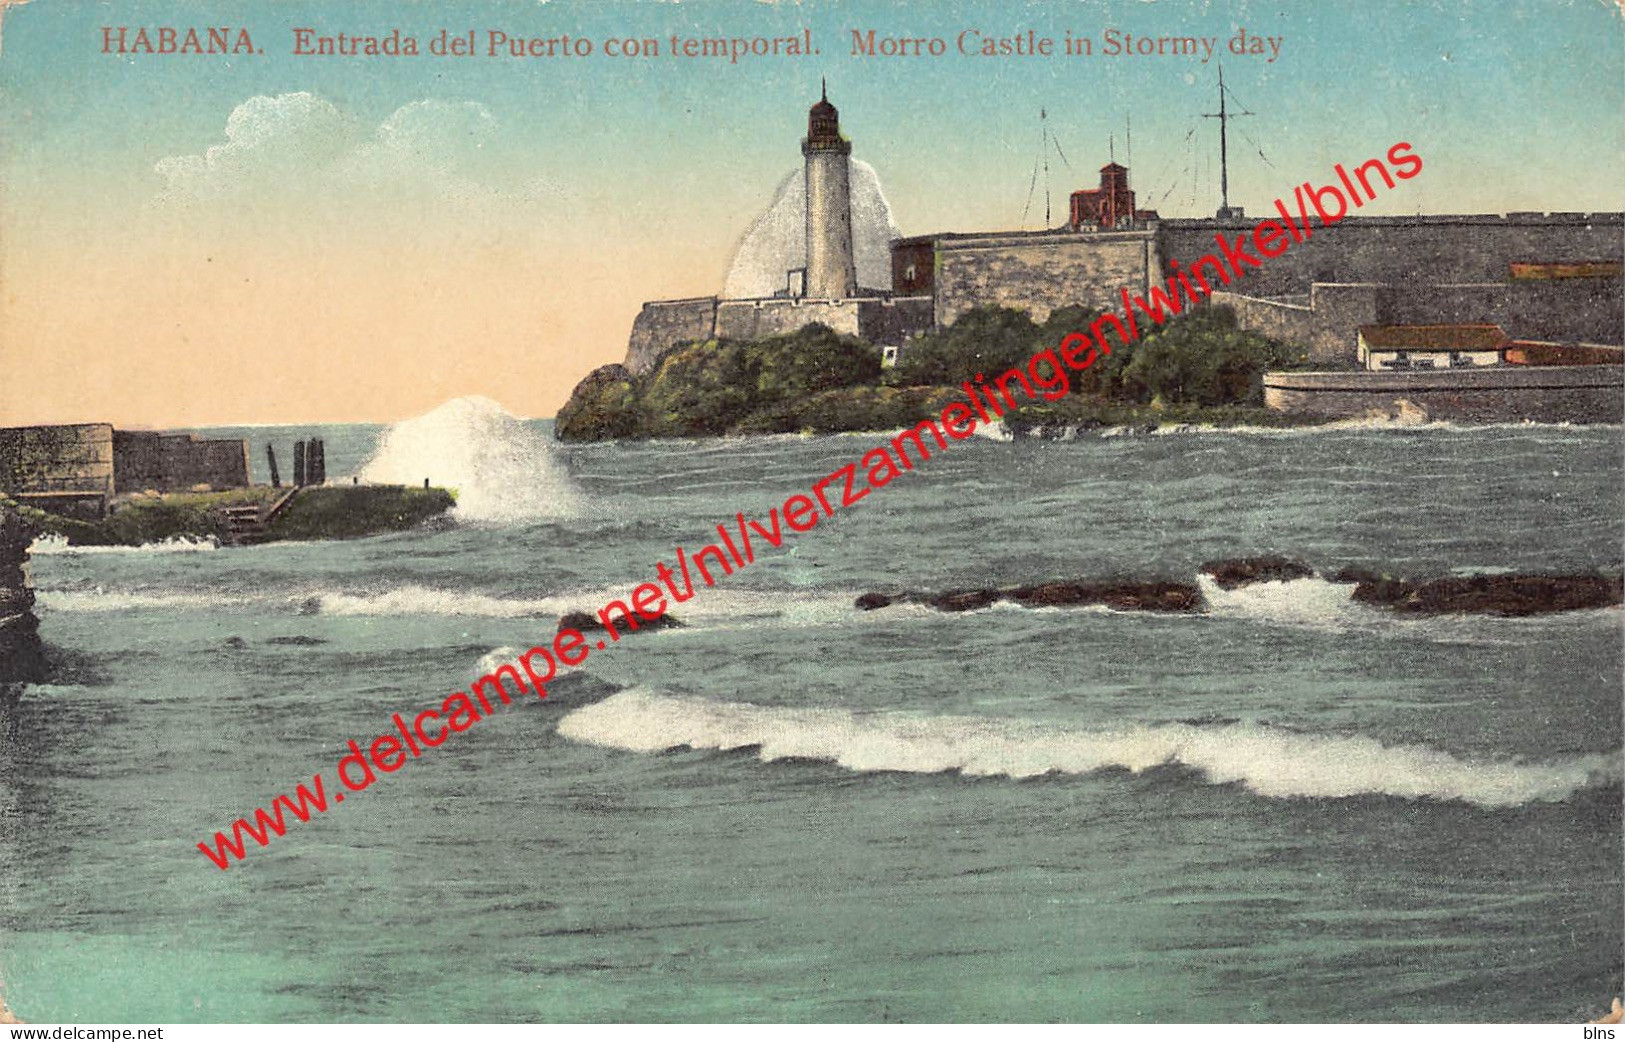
1386, 348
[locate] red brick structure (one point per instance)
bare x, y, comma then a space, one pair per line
1109, 206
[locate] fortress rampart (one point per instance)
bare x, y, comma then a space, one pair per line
1433, 250
879, 320
1041, 272
75, 469
664, 324
176, 462
1541, 394
1539, 276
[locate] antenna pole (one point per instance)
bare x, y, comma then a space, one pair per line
1224, 117
1224, 151
1043, 119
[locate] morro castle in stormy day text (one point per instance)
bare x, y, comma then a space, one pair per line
1449, 313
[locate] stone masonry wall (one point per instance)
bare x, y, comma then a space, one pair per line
68, 458
663, 324
1542, 394
1325, 326
176, 462
1451, 250
754, 319
1041, 273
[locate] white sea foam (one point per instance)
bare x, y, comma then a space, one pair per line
98, 600
711, 607
426, 601
1266, 760
503, 469
489, 661
776, 242
1310, 601
993, 430
1316, 603
47, 545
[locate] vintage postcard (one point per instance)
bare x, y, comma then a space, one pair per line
829, 512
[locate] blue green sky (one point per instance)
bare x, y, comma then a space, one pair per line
412, 229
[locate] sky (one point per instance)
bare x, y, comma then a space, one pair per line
268, 237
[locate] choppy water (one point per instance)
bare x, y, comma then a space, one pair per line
1290, 807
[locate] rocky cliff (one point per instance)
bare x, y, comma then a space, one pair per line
21, 658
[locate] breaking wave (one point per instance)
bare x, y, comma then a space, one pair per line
1317, 603
1310, 601
47, 545
708, 607
77, 601
503, 469
777, 241
1268, 761
426, 601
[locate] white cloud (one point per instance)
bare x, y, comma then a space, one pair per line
268, 141
301, 151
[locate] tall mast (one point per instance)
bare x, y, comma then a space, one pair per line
1224, 117
1043, 120
1224, 149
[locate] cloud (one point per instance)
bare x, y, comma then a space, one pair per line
301, 152
268, 142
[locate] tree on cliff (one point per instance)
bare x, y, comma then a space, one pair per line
985, 340
1202, 358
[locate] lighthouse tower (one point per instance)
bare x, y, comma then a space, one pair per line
831, 271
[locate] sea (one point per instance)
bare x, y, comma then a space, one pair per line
1287, 807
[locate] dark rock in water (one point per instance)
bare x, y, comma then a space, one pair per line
1350, 574
22, 654
1156, 596
299, 640
871, 601
584, 623
1121, 595
1514, 595
236, 642
1381, 589
1244, 571
1050, 595
962, 600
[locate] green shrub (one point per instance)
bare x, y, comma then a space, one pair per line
1201, 358
984, 340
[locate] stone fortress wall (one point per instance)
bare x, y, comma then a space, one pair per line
76, 469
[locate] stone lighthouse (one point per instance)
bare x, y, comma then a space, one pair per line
831, 270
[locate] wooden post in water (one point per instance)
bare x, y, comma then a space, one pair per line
270, 457
319, 447
298, 464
